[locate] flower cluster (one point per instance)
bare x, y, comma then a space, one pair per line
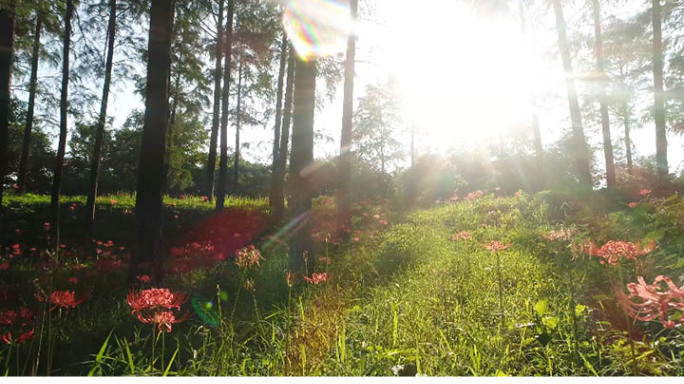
656, 301
645, 192
474, 195
63, 299
612, 251
463, 235
561, 234
154, 306
496, 246
248, 257
316, 278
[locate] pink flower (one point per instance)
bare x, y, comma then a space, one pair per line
495, 246
633, 204
316, 278
144, 279
162, 319
647, 302
153, 306
248, 257
8, 317
64, 299
561, 234
463, 235
645, 192
612, 251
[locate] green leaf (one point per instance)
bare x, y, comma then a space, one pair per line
550, 322
168, 367
541, 307
100, 354
579, 309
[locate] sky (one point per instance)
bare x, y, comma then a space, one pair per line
462, 77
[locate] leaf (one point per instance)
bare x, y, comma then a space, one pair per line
579, 309
541, 307
550, 322
100, 354
168, 367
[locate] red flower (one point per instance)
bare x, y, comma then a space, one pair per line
316, 278
4, 266
645, 192
154, 298
463, 235
8, 317
144, 278
633, 204
495, 246
612, 251
162, 319
248, 257
73, 280
7, 337
65, 299
648, 302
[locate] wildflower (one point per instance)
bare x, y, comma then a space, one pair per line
561, 234
633, 204
495, 246
64, 299
647, 302
144, 279
155, 298
113, 201
46, 225
73, 280
205, 199
162, 319
248, 257
316, 278
325, 260
249, 285
612, 251
645, 192
463, 235
4, 266
8, 317
7, 337
290, 279
26, 315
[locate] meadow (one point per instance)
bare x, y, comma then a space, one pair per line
551, 284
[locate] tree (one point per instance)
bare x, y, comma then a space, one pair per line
148, 203
605, 122
216, 117
33, 82
225, 92
659, 96
6, 51
278, 183
97, 149
344, 176
581, 151
63, 101
279, 104
301, 159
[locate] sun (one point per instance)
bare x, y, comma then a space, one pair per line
463, 77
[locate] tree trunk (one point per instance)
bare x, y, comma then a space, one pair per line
59, 163
605, 122
148, 204
26, 145
582, 155
278, 184
99, 136
223, 163
236, 159
628, 141
344, 174
279, 102
6, 53
211, 164
169, 131
659, 96
301, 159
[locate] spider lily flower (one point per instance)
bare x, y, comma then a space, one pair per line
155, 298
495, 246
64, 299
647, 302
162, 319
612, 251
248, 257
316, 278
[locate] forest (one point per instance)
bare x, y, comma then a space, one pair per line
341, 188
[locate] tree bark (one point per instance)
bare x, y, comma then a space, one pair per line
61, 148
99, 136
223, 163
211, 164
582, 155
301, 159
659, 96
33, 82
605, 120
278, 185
344, 174
279, 101
6, 52
148, 204
236, 159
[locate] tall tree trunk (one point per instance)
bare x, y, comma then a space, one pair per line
301, 158
26, 145
279, 102
582, 155
211, 164
236, 159
659, 96
169, 132
6, 53
536, 132
278, 185
61, 148
605, 122
148, 203
344, 174
99, 136
223, 162
628, 141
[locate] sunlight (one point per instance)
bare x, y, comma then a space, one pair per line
463, 77
317, 27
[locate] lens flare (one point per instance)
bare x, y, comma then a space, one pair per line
317, 27
205, 310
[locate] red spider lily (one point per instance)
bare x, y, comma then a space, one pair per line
8, 317
26, 315
316, 278
561, 234
290, 279
463, 235
633, 204
113, 201
144, 278
7, 337
248, 257
495, 246
647, 302
155, 298
645, 192
325, 260
64, 299
249, 285
612, 251
162, 319
4, 266
73, 280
